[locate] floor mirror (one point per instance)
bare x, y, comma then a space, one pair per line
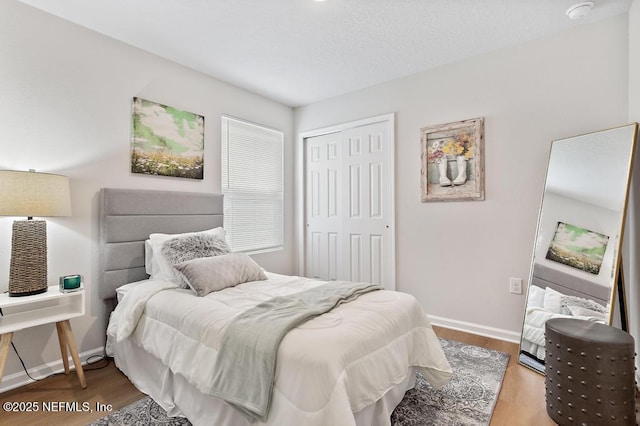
576, 262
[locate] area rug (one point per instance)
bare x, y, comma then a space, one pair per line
468, 399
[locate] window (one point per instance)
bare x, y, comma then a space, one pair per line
252, 184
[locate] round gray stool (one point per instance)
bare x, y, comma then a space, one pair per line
590, 373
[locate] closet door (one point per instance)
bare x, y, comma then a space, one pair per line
323, 207
366, 218
349, 205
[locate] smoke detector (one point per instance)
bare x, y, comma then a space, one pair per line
579, 10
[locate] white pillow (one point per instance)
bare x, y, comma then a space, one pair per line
552, 300
148, 257
125, 288
157, 264
536, 297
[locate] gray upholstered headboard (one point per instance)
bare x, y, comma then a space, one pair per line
128, 216
544, 276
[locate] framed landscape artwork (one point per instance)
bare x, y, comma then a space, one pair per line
166, 141
578, 248
452, 161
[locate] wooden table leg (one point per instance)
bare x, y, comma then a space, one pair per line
5, 342
65, 326
63, 347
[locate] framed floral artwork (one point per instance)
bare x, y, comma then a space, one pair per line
166, 141
452, 161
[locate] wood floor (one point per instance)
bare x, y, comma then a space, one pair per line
521, 400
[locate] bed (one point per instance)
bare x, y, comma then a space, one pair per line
556, 294
349, 365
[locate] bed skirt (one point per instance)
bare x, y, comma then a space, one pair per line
180, 399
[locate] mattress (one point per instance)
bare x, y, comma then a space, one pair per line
328, 368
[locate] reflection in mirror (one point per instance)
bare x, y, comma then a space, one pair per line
576, 255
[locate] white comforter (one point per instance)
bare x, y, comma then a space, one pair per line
327, 369
543, 305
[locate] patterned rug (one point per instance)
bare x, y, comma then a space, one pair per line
468, 399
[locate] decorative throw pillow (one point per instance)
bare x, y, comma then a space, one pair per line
157, 264
584, 312
207, 274
567, 302
192, 246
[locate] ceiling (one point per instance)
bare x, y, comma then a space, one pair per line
302, 51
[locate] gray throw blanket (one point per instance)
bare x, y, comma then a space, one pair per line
246, 361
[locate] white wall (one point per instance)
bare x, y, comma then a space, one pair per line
457, 257
66, 96
631, 251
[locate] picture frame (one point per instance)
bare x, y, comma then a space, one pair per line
578, 247
452, 159
166, 141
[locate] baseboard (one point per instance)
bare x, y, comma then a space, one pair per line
16, 380
481, 330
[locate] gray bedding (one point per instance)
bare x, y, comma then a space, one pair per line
247, 355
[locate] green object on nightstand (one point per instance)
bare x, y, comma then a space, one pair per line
69, 283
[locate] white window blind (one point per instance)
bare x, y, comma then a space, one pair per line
252, 184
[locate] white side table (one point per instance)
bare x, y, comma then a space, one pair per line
30, 311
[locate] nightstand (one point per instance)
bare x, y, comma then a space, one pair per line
30, 311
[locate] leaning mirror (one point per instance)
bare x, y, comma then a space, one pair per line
576, 257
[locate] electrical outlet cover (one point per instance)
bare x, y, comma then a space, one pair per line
515, 285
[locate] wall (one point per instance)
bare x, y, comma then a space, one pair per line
66, 108
457, 257
631, 251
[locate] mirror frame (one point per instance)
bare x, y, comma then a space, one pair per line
616, 279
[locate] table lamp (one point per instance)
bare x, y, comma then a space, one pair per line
31, 194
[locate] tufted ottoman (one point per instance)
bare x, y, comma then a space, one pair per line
590, 373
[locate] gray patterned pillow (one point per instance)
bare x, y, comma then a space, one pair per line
193, 246
568, 302
584, 312
209, 274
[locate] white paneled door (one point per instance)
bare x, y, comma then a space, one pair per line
349, 204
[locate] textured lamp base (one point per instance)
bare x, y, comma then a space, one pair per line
28, 268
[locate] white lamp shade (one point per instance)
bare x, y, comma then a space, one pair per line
34, 194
